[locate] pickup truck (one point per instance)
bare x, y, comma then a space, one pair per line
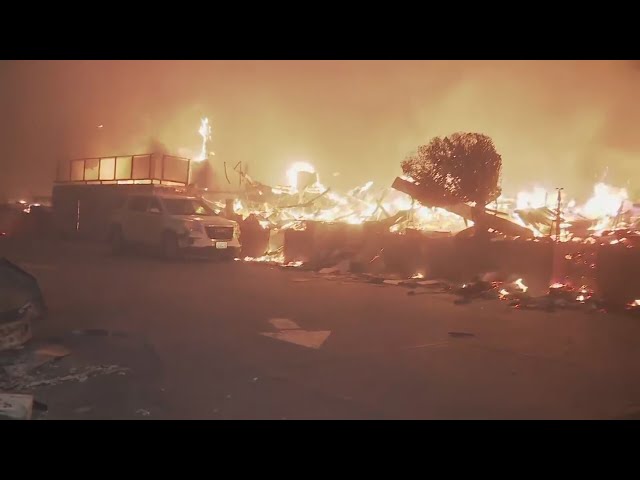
173, 223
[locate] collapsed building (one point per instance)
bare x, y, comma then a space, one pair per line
397, 229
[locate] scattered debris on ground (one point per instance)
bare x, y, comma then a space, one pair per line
83, 410
21, 303
15, 406
23, 362
30, 381
488, 286
40, 407
99, 332
461, 334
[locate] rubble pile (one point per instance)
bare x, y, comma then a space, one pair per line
403, 229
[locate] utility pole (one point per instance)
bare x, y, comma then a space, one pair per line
559, 214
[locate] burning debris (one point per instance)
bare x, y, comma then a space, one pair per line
319, 228
450, 187
559, 295
634, 306
446, 189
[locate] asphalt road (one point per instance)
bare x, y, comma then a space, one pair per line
200, 342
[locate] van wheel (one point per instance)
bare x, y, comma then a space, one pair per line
116, 239
170, 247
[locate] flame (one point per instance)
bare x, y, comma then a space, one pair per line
276, 259
292, 173
361, 204
604, 207
537, 198
503, 294
285, 207
606, 201
557, 285
205, 133
521, 285
417, 275
266, 258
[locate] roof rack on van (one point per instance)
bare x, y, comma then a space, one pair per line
140, 169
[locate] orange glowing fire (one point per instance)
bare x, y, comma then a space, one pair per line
537, 198
367, 203
277, 259
291, 206
358, 205
604, 208
294, 170
520, 284
205, 133
607, 201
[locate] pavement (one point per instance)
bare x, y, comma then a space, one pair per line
201, 339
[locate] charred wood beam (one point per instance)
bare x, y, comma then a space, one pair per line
225, 173
415, 191
309, 203
465, 211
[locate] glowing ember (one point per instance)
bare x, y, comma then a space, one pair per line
521, 285
205, 133
557, 285
276, 259
580, 298
417, 275
503, 294
266, 258
635, 303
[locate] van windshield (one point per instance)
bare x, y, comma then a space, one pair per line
186, 206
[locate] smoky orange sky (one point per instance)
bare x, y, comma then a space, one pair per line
555, 123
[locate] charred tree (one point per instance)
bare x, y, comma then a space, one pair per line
460, 173
461, 168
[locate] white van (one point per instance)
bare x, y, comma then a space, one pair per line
173, 223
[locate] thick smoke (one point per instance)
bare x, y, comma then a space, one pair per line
555, 123
565, 124
156, 147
